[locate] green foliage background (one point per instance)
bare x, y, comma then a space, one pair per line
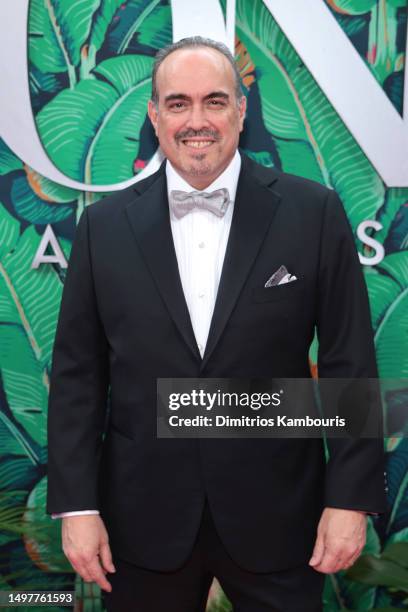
89, 70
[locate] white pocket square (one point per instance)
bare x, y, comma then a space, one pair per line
287, 279
280, 277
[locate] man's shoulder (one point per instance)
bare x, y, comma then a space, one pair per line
114, 203
286, 184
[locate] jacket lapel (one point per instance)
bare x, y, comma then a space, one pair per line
150, 221
254, 209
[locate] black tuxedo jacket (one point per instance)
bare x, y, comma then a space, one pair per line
124, 322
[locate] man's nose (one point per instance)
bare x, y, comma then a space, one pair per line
197, 118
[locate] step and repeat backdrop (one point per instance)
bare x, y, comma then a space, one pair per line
325, 88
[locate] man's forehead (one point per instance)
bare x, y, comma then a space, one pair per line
201, 59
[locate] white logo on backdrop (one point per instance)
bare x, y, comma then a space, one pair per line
49, 239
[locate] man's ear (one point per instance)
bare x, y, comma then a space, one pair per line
242, 112
153, 114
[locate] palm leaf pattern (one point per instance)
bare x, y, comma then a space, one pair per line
89, 74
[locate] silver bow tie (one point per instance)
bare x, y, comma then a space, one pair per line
182, 202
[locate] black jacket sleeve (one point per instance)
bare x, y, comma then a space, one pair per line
78, 388
355, 469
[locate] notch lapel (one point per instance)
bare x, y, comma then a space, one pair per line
150, 221
254, 209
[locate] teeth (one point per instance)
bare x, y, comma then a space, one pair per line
198, 144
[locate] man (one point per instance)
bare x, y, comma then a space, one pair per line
163, 284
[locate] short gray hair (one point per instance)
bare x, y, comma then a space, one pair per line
191, 43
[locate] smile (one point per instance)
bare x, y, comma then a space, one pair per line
198, 144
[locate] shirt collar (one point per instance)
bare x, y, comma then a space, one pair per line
227, 179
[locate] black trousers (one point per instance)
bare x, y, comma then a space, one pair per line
135, 589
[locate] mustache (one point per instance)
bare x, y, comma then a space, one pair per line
197, 134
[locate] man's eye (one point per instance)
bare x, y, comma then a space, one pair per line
216, 103
177, 105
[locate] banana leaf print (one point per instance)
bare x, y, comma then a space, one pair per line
311, 139
396, 200
59, 30
140, 26
89, 76
92, 131
25, 531
340, 593
391, 345
217, 601
377, 29
40, 210
104, 49
8, 161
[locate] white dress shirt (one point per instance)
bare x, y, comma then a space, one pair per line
200, 241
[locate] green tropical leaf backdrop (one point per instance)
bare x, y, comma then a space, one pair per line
89, 74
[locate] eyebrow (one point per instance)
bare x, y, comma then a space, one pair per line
180, 96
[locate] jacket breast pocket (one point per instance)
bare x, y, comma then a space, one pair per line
276, 293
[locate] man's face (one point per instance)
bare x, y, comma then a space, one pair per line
198, 119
